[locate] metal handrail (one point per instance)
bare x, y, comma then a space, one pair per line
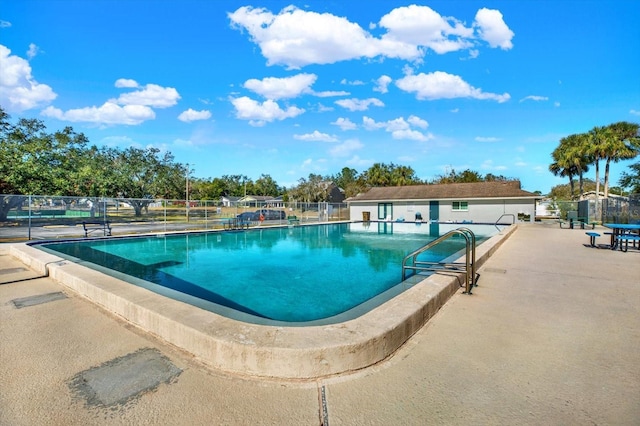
505, 214
469, 269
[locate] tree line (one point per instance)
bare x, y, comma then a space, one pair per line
64, 163
612, 143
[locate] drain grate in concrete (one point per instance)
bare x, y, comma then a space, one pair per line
124, 379
11, 270
38, 299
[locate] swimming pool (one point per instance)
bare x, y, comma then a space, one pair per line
304, 275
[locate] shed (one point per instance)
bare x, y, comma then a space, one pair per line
478, 202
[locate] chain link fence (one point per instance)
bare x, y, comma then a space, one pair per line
27, 217
621, 209
615, 209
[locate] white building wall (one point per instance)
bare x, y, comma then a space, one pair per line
479, 211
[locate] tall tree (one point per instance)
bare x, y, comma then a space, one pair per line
350, 182
576, 157
624, 144
599, 139
265, 185
561, 165
378, 175
141, 175
403, 175
631, 179
237, 185
33, 161
469, 176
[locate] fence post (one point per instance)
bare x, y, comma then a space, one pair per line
29, 232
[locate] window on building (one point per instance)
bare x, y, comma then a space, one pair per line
460, 206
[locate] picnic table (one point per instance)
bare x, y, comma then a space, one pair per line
622, 233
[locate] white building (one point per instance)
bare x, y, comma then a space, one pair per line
479, 202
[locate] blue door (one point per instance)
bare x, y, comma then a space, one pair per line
434, 211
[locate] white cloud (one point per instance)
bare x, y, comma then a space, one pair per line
330, 93
418, 122
534, 98
129, 108
441, 85
486, 139
400, 128
382, 83
126, 83
259, 114
19, 91
296, 38
324, 108
316, 136
345, 124
422, 26
192, 115
409, 134
352, 83
151, 95
634, 112
281, 88
359, 104
5, 24
288, 87
33, 51
108, 113
346, 148
370, 124
492, 29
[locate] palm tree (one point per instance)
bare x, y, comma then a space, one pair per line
378, 175
576, 157
570, 160
624, 144
599, 143
403, 175
560, 167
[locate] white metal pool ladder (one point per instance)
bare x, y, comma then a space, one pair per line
468, 267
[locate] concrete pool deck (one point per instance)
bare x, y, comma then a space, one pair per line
271, 351
550, 336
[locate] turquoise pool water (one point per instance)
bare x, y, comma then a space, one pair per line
292, 275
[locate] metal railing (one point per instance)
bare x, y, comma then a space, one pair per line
506, 214
468, 267
27, 217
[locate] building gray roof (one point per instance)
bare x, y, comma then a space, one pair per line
458, 191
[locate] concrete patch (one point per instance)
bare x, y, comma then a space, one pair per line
38, 299
123, 379
11, 270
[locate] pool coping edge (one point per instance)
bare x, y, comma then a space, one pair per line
260, 350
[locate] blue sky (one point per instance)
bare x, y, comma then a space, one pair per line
288, 89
